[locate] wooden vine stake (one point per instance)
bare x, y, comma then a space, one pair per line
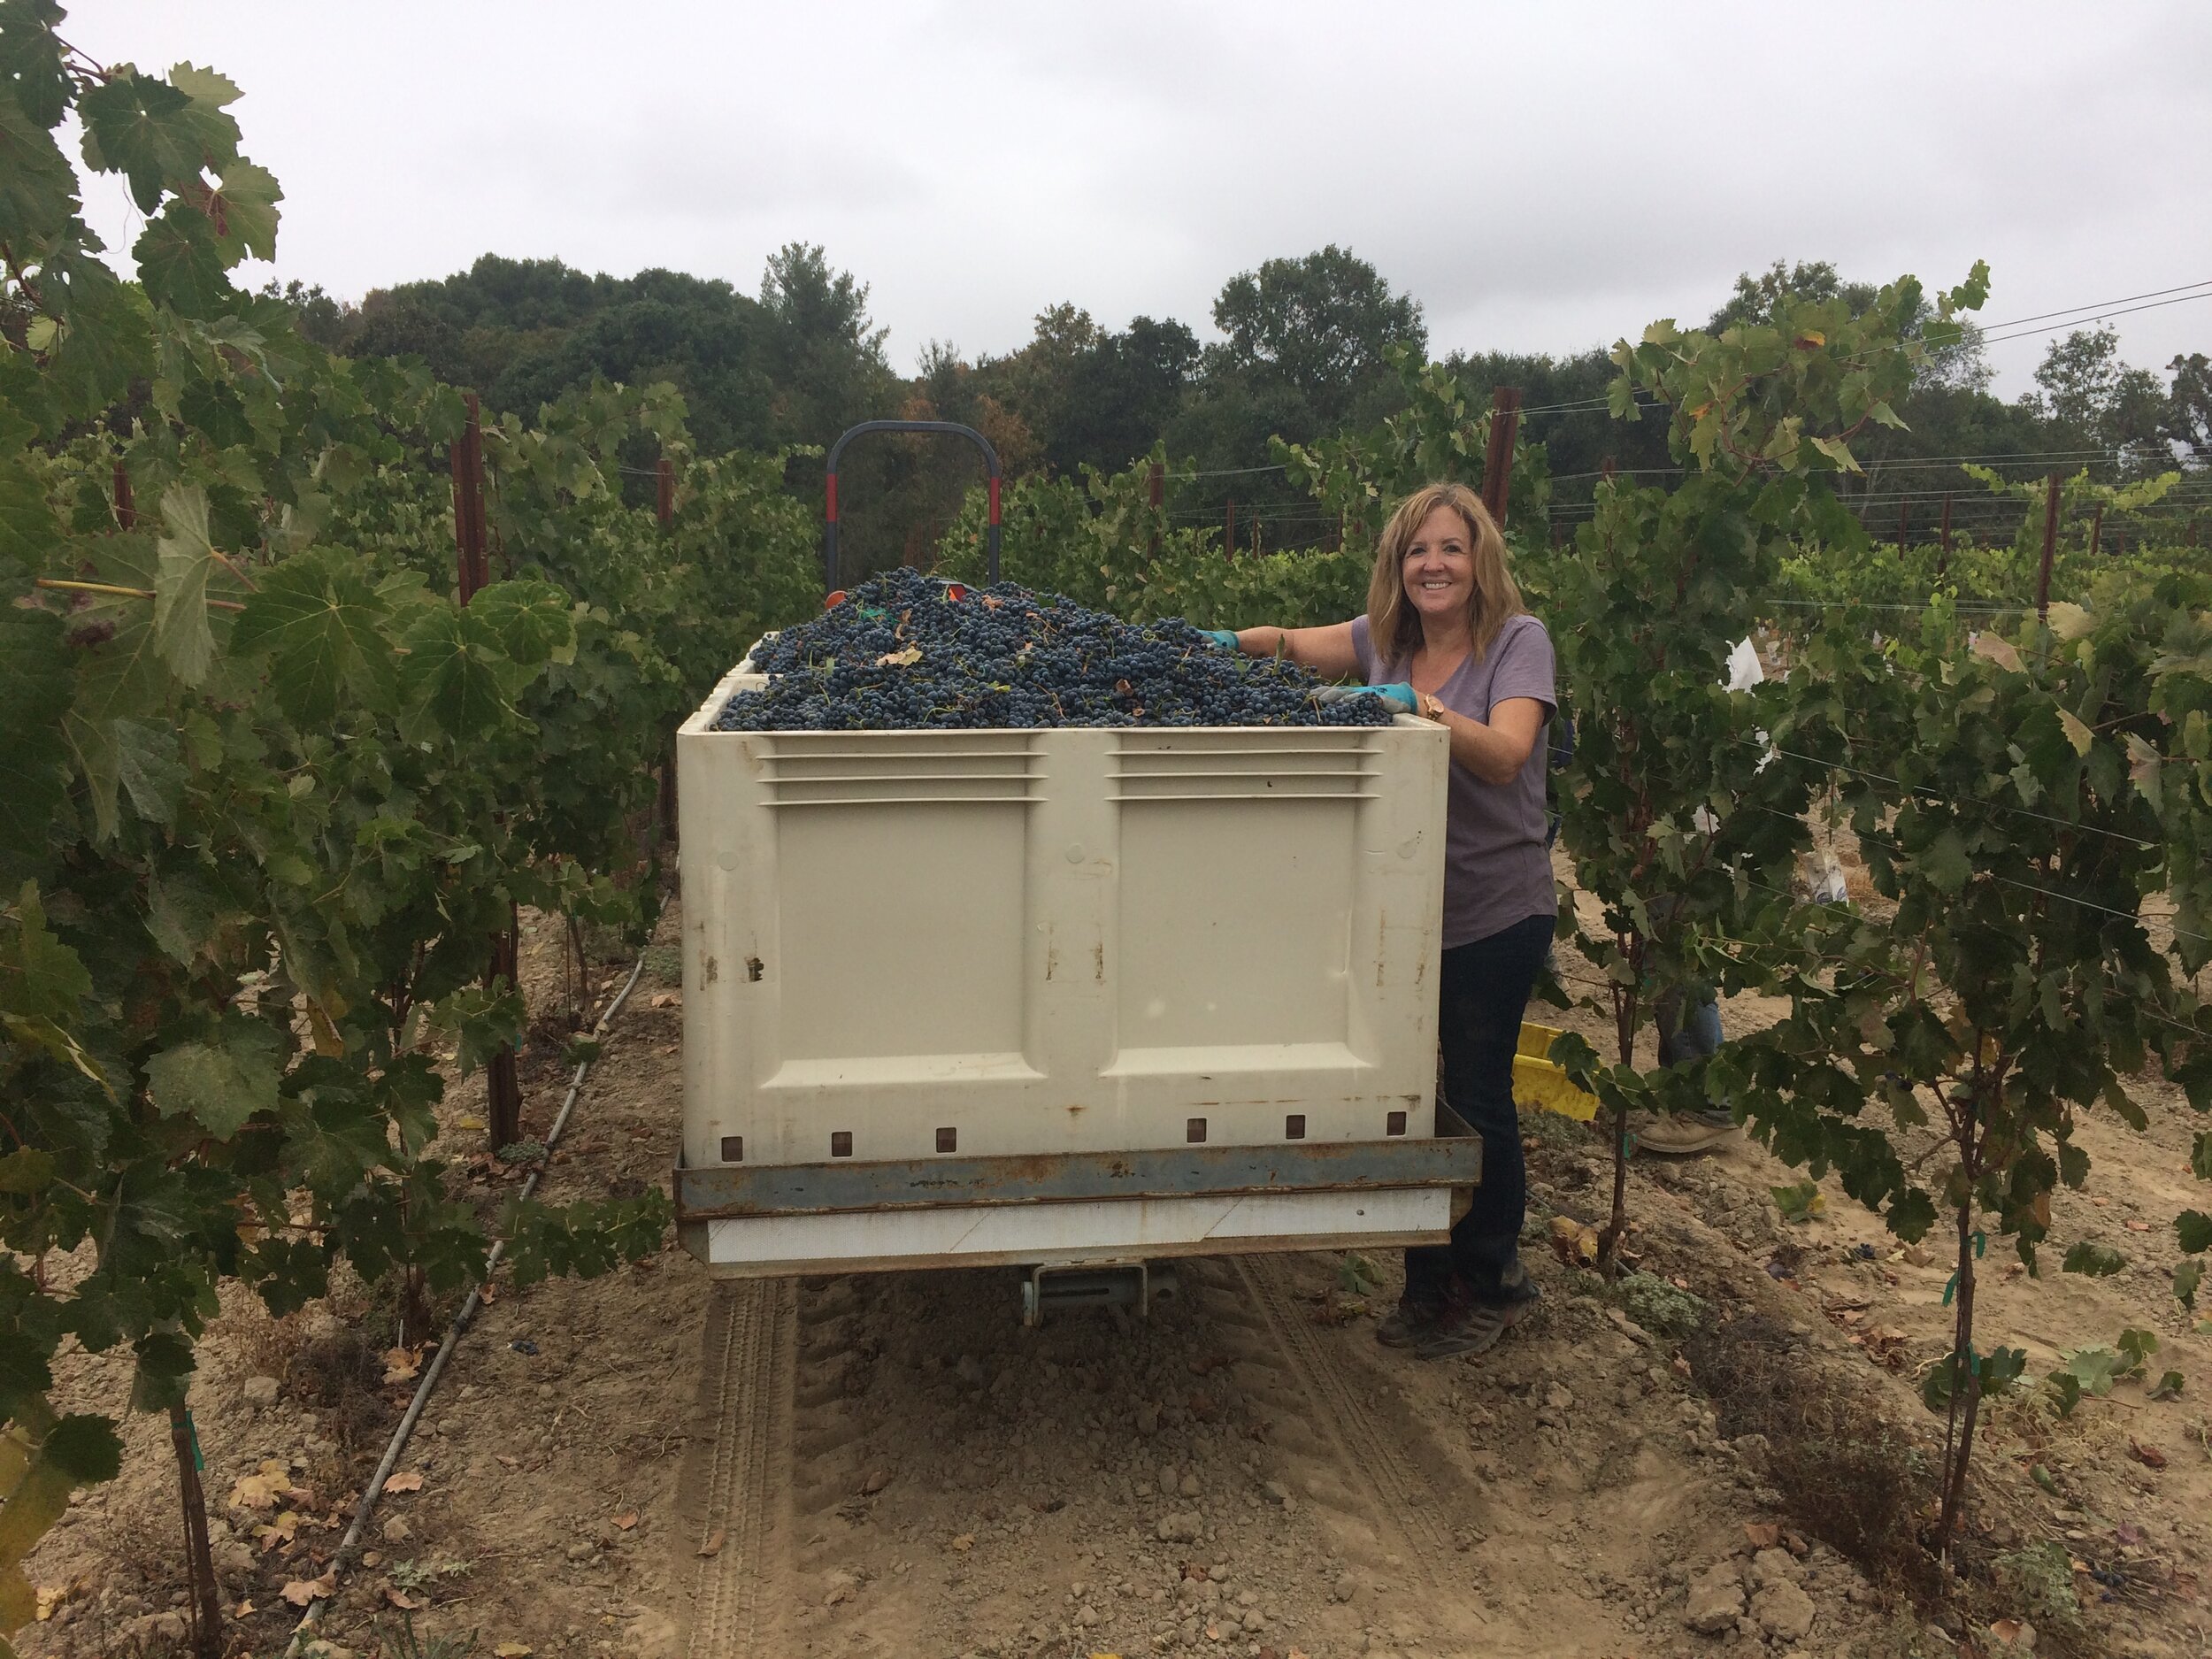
503, 1083
204, 1602
1497, 463
2050, 546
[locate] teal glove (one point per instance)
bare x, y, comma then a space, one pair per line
1225, 638
1399, 697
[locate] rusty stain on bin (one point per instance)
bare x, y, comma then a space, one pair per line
1451, 1159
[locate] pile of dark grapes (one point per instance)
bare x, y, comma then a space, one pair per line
908, 652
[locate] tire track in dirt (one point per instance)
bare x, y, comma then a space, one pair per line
751, 1347
1397, 1492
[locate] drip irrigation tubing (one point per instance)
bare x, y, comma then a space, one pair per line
461, 1321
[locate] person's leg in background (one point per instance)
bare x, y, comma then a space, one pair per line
1685, 1036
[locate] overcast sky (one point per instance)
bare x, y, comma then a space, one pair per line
1542, 177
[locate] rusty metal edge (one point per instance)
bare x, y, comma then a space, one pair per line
725, 1192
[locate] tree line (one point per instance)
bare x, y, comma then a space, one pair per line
1303, 352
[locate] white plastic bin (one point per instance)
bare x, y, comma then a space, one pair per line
1058, 996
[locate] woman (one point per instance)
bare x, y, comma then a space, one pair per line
1446, 637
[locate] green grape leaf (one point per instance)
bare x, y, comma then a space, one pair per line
218, 1084
2187, 1276
40, 977
452, 670
2098, 1261
28, 528
187, 563
1944, 863
531, 621
85, 1448
323, 625
149, 766
35, 686
180, 914
2095, 1368
180, 262
2200, 1156
2066, 1395
31, 63
137, 124
243, 211
106, 340
27, 1170
1839, 452
2194, 1229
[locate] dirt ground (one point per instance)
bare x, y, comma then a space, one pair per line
651, 1465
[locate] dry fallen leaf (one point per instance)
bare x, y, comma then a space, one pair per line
50, 1597
401, 1599
1762, 1534
2149, 1456
964, 1541
408, 1480
244, 1609
626, 1519
261, 1490
402, 1364
714, 1546
1576, 1241
512, 1650
665, 999
2138, 1226
2007, 1630
278, 1532
299, 1591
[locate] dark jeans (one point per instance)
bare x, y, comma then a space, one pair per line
1484, 993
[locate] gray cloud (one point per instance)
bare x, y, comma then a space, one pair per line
1540, 178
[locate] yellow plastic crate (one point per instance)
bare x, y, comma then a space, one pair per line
1539, 1081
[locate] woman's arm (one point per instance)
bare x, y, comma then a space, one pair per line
1327, 651
1494, 753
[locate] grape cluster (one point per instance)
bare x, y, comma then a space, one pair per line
907, 652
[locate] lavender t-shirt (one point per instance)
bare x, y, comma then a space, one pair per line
1497, 869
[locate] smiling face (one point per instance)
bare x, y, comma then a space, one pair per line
1438, 567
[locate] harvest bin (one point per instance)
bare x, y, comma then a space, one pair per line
1060, 996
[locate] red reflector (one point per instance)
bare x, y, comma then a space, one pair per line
834, 600
954, 590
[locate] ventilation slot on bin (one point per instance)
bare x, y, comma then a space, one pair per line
894, 768
1297, 764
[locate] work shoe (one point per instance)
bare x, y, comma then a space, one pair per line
1679, 1134
1474, 1327
1472, 1324
1409, 1321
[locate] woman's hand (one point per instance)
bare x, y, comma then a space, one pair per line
1327, 651
1401, 697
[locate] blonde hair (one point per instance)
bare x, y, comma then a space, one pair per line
1393, 625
